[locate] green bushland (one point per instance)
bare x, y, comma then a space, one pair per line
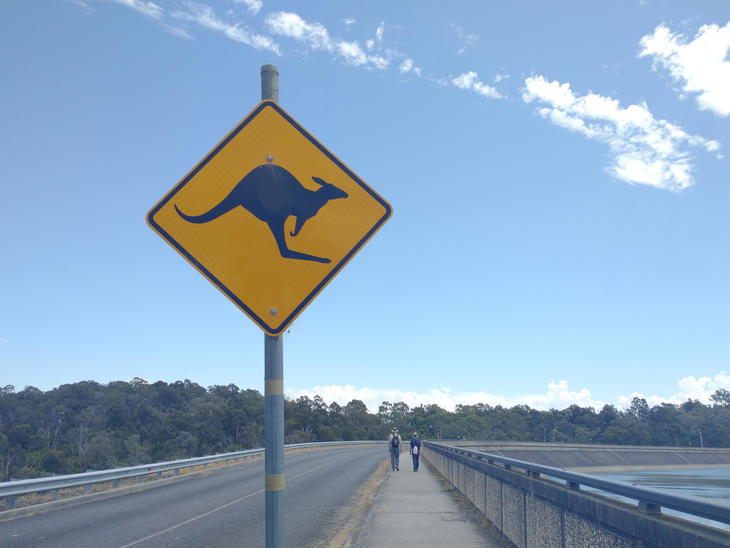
92, 426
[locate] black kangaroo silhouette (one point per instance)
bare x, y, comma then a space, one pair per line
272, 194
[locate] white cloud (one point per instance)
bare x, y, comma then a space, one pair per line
558, 395
470, 81
254, 6
701, 65
292, 26
353, 54
204, 16
408, 66
315, 36
690, 388
148, 8
646, 150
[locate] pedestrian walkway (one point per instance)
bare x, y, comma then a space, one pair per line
413, 509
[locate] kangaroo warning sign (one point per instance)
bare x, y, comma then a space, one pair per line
269, 216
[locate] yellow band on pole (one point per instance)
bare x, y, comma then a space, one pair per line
274, 387
274, 482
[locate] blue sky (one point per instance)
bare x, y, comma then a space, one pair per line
558, 174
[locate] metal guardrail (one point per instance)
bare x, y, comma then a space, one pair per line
649, 500
12, 489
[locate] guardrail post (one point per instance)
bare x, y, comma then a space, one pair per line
11, 501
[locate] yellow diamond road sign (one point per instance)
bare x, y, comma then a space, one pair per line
269, 216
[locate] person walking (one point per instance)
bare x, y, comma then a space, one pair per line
415, 450
394, 446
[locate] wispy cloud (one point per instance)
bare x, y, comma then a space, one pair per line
373, 54
701, 66
316, 37
81, 4
646, 150
254, 6
203, 15
558, 395
177, 31
468, 40
146, 8
378, 40
470, 81
379, 32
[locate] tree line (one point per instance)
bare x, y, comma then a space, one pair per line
91, 426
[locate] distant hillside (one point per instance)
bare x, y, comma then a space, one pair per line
87, 425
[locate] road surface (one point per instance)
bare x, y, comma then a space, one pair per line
221, 508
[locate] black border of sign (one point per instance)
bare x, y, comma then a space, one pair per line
228, 293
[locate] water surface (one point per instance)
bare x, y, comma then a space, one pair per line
710, 483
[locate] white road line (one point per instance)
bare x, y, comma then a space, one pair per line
209, 512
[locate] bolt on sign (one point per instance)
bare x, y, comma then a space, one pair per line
269, 216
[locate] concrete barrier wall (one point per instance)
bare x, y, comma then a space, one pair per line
533, 512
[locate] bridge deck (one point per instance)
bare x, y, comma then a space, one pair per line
414, 509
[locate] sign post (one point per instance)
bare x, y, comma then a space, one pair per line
273, 393
269, 216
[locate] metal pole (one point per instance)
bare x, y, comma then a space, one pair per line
274, 440
270, 83
273, 393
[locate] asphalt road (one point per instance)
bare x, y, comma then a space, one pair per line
222, 508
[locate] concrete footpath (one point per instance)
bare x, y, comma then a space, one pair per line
414, 509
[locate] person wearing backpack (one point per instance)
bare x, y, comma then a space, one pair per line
394, 446
415, 450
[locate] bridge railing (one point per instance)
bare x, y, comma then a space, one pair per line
12, 489
648, 500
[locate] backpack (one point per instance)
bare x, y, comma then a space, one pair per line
415, 450
394, 441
